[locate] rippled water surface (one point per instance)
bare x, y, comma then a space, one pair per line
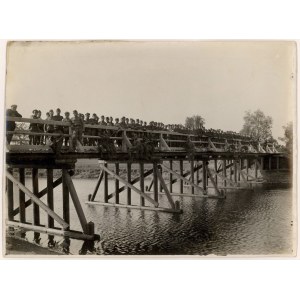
249, 222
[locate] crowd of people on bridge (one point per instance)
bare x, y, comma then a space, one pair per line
89, 136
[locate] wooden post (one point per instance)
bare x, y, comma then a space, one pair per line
171, 177
117, 198
105, 185
262, 163
204, 177
155, 182
230, 173
247, 168
50, 195
128, 179
277, 162
76, 202
224, 172
10, 197
160, 185
97, 186
22, 197
216, 170
197, 174
235, 170
192, 175
35, 189
66, 199
270, 163
142, 184
255, 168
181, 174
241, 166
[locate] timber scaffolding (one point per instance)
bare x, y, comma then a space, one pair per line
209, 168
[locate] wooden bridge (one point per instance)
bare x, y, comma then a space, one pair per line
206, 166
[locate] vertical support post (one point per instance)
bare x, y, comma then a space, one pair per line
105, 185
255, 168
204, 177
230, 174
197, 174
216, 170
10, 197
97, 186
66, 198
247, 168
160, 185
277, 162
117, 198
181, 174
50, 195
142, 183
241, 166
35, 189
224, 172
262, 163
235, 170
192, 175
128, 179
155, 182
270, 162
171, 177
22, 196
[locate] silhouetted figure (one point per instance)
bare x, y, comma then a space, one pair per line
11, 125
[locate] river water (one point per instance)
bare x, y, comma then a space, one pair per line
247, 222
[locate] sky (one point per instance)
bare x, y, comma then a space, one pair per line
156, 80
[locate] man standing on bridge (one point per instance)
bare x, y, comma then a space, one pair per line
11, 125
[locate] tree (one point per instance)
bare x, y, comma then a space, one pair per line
288, 137
257, 125
194, 122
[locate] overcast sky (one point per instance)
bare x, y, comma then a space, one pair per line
160, 81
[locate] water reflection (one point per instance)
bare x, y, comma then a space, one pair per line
246, 222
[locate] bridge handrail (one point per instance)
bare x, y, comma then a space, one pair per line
115, 128
166, 135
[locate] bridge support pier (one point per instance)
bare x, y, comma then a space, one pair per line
37, 222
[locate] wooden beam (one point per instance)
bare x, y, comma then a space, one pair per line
37, 201
22, 197
128, 180
134, 181
117, 198
214, 183
142, 183
53, 231
10, 196
35, 189
128, 185
97, 186
204, 177
42, 193
171, 177
76, 201
182, 178
162, 182
50, 201
181, 174
65, 198
105, 185
155, 182
162, 209
192, 175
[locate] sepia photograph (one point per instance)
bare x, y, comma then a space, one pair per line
150, 148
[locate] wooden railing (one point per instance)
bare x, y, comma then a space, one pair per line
163, 140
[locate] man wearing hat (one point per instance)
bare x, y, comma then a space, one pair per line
11, 125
